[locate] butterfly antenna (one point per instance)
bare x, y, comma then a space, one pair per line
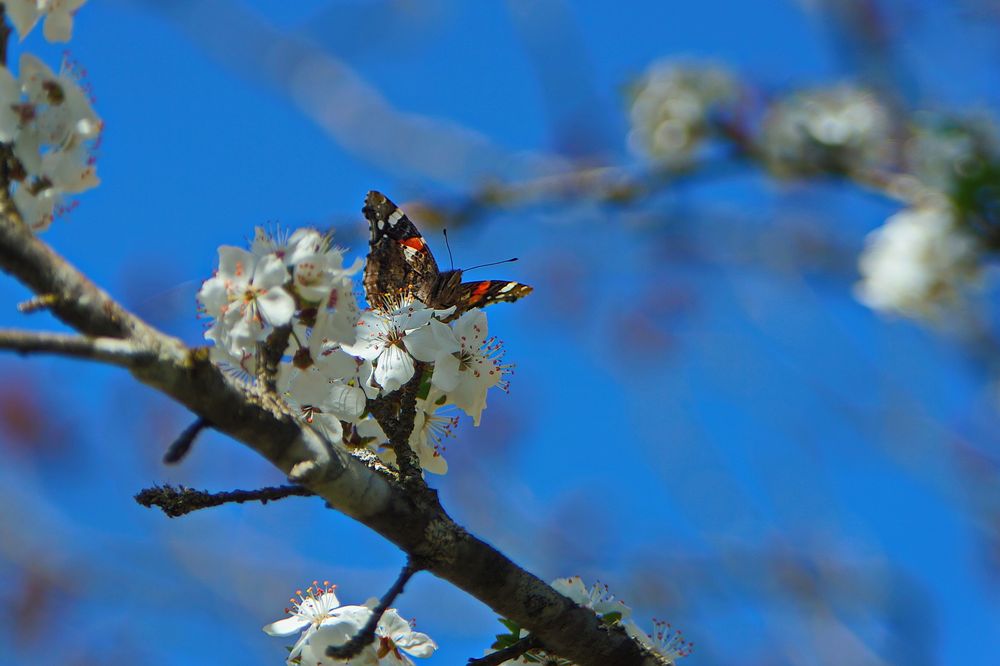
448, 245
492, 263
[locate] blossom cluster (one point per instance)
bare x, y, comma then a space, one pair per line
47, 124
828, 130
923, 259
321, 622
917, 262
296, 291
671, 109
664, 641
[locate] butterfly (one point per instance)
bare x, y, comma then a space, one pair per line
400, 263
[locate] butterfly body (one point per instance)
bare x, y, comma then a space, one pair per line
400, 262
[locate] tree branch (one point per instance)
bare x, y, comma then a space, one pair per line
182, 445
415, 522
396, 414
108, 350
367, 633
179, 501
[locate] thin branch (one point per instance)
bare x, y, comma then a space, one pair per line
179, 501
269, 357
510, 652
182, 445
366, 635
396, 415
108, 350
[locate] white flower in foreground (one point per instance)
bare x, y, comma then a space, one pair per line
336, 318
321, 402
24, 14
917, 262
246, 297
429, 431
327, 392
665, 641
342, 625
476, 367
306, 614
395, 636
315, 263
426, 440
384, 339
598, 598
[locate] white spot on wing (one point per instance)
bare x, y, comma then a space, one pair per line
396, 216
507, 287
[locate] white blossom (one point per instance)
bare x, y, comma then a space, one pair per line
320, 401
836, 130
396, 639
476, 367
430, 428
246, 297
336, 317
61, 113
308, 611
384, 338
24, 14
38, 210
940, 151
665, 641
671, 108
342, 625
917, 262
597, 598
49, 120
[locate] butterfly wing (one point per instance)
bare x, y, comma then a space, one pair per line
399, 261
486, 292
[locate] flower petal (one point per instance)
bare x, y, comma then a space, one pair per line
286, 626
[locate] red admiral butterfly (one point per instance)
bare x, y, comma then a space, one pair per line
399, 261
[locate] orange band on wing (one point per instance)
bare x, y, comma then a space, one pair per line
416, 242
479, 291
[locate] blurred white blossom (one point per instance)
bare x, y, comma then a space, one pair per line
671, 108
838, 130
940, 151
917, 262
